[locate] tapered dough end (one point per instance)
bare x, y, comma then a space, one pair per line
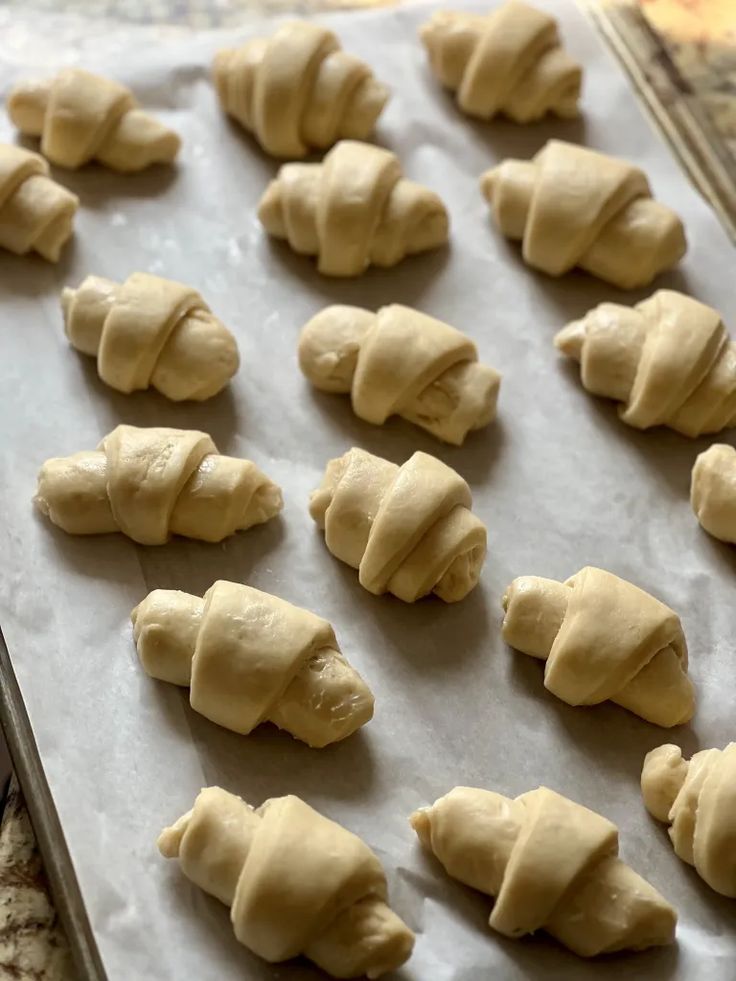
72, 493
422, 825
43, 212
614, 909
367, 105
463, 573
327, 701
165, 628
139, 141
220, 68
661, 692
329, 345
198, 360
169, 841
570, 339
534, 608
67, 298
26, 105
662, 777
267, 503
488, 183
366, 940
433, 230
270, 210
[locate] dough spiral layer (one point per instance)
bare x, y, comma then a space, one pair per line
154, 483
603, 638
150, 331
297, 90
507, 61
36, 213
352, 210
295, 882
400, 361
82, 117
551, 865
407, 530
249, 657
571, 206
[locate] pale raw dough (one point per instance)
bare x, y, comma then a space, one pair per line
153, 332
296, 883
697, 798
353, 209
571, 206
297, 90
82, 117
668, 359
603, 638
713, 491
407, 530
36, 213
249, 657
550, 864
154, 483
508, 61
400, 361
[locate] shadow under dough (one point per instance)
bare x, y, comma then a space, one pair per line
397, 439
609, 735
96, 185
221, 416
404, 283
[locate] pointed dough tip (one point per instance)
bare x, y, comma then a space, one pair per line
570, 339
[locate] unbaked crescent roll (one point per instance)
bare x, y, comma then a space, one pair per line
150, 331
296, 883
399, 361
668, 360
352, 210
249, 657
697, 798
298, 90
507, 61
82, 117
408, 530
36, 213
550, 864
154, 483
713, 491
571, 206
603, 638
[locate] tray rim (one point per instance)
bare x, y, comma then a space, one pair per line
58, 865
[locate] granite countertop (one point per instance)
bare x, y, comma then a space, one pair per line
681, 55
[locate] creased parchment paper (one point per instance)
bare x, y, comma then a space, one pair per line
559, 481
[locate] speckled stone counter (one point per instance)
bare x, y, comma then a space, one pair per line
681, 56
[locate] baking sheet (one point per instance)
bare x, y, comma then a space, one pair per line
558, 480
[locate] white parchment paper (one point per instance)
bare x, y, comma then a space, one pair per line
559, 481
